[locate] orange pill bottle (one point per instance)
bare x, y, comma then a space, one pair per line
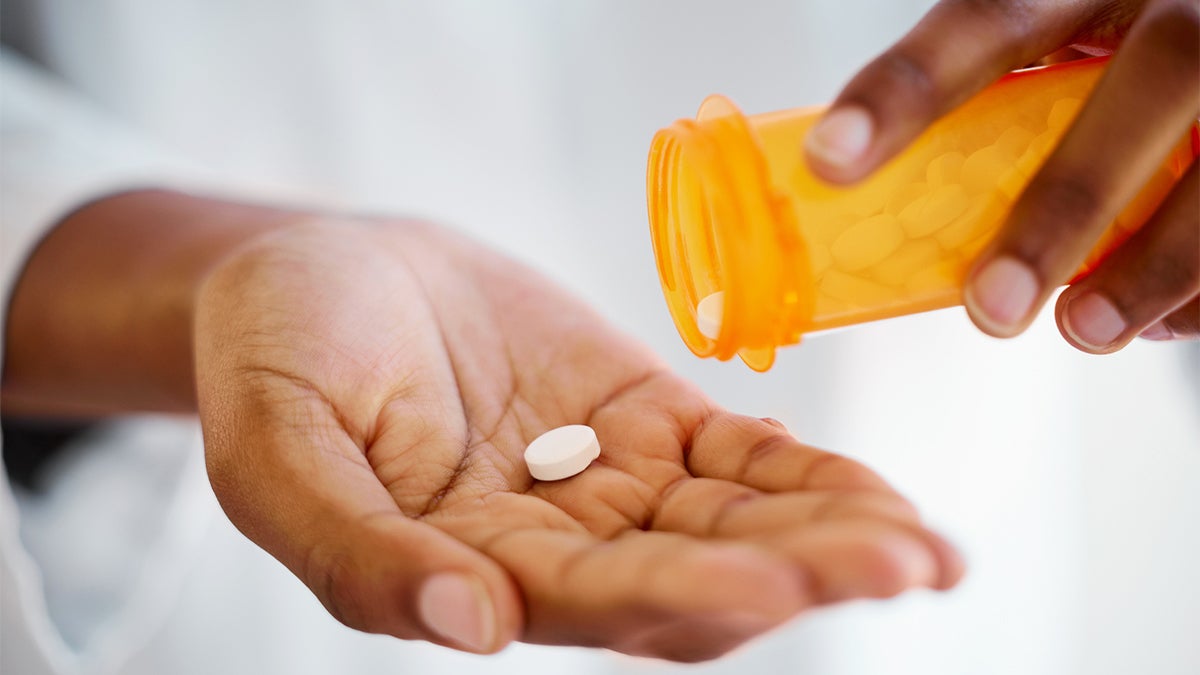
735, 210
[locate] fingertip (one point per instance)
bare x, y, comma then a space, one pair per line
901, 562
838, 144
458, 608
953, 565
1000, 295
1091, 322
461, 609
507, 604
411, 580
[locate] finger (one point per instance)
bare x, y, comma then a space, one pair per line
1137, 113
763, 456
1151, 276
708, 508
848, 548
956, 50
308, 497
720, 509
867, 558
643, 592
1182, 324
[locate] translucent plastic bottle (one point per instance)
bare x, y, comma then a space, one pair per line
734, 209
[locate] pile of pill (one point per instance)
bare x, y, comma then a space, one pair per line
562, 452
922, 234
905, 240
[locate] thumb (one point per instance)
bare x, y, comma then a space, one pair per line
289, 376
299, 487
386, 573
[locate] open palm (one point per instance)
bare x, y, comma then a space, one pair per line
367, 390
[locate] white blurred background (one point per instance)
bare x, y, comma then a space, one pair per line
1069, 482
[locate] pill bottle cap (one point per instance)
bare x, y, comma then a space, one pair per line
717, 225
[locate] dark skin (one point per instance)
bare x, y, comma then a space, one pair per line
1145, 103
366, 387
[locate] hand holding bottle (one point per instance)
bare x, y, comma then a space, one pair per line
1145, 102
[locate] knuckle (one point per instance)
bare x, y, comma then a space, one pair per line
1057, 220
1015, 17
1006, 32
899, 85
1185, 322
908, 73
1062, 205
1108, 22
1073, 199
1169, 274
765, 450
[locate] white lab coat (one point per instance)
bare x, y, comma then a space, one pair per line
527, 125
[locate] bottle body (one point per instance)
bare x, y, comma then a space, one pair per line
734, 209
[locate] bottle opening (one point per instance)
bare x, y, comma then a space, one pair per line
717, 226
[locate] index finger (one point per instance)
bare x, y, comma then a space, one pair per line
956, 50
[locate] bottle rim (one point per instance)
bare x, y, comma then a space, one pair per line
717, 224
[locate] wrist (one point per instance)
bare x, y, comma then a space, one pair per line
101, 319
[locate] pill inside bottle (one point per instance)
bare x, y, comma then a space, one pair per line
708, 315
562, 452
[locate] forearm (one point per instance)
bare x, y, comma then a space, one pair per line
100, 321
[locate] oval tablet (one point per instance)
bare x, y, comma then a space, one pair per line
1015, 140
944, 169
982, 170
563, 452
867, 243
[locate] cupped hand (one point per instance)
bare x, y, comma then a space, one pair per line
1147, 100
367, 390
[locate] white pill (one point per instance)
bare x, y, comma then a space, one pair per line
709, 313
563, 452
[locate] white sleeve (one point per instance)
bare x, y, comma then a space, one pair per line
57, 152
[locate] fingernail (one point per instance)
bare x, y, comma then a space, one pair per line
842, 136
459, 609
1004, 292
775, 423
1157, 331
1093, 321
